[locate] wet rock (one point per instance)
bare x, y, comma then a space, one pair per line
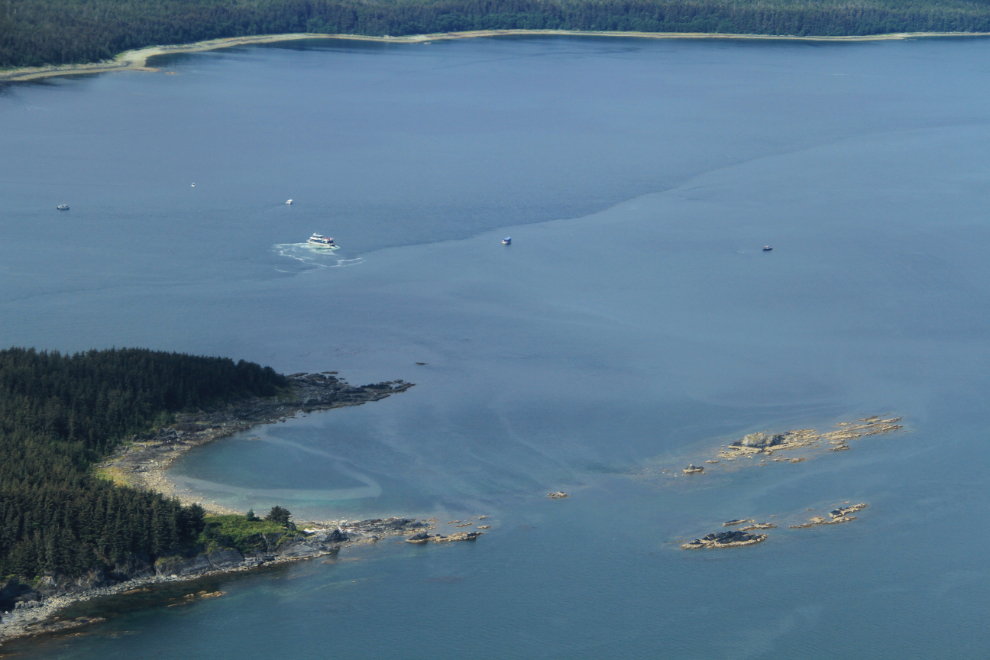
733, 539
460, 536
422, 537
693, 469
845, 511
838, 516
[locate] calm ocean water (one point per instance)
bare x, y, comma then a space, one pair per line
633, 325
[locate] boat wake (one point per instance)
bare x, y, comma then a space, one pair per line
314, 256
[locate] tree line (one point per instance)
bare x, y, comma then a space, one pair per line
60, 414
38, 32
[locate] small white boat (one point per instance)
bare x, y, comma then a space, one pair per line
507, 240
289, 202
62, 207
319, 240
767, 248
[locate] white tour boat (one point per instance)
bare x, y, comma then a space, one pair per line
319, 240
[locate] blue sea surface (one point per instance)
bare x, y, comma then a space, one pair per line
633, 326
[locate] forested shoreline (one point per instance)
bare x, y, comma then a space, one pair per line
60, 414
55, 32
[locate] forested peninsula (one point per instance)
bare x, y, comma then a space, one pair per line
60, 415
59, 32
69, 530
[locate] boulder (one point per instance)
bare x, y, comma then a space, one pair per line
10, 591
300, 548
760, 440
422, 537
225, 558
336, 536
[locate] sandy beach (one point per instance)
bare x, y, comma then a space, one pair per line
137, 60
143, 462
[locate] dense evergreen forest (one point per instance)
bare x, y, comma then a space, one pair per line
61, 413
36, 32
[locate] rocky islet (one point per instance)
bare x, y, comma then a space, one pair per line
766, 444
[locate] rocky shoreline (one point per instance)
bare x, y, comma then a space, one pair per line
36, 606
28, 610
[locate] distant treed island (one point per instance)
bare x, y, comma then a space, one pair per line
61, 414
53, 32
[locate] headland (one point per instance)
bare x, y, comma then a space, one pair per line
141, 463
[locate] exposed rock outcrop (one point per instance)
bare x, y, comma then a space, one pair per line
423, 537
836, 517
768, 443
760, 440
26, 610
733, 539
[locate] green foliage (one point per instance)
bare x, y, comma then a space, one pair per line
35, 32
59, 414
236, 531
250, 517
279, 516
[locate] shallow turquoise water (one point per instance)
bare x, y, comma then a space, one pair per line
634, 323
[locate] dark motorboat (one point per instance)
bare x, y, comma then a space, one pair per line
507, 240
767, 248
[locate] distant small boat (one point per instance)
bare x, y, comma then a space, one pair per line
289, 202
767, 248
319, 240
62, 207
507, 240
193, 185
